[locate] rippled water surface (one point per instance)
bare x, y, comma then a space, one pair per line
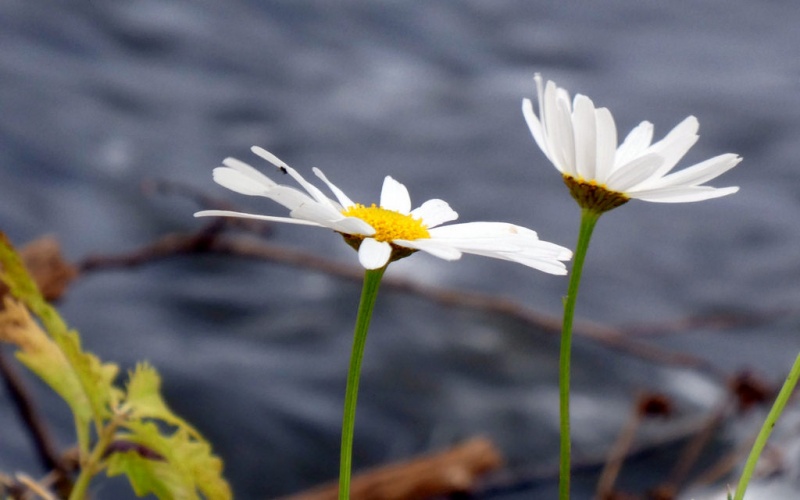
97, 97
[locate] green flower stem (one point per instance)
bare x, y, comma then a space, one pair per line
588, 220
372, 280
766, 429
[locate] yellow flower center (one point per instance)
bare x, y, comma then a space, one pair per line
388, 224
593, 195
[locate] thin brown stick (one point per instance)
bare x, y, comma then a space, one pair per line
616, 457
454, 470
26, 408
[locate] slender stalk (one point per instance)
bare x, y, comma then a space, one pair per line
372, 280
91, 465
588, 220
766, 429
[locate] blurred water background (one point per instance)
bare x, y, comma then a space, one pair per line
97, 97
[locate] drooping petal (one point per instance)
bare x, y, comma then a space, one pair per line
683, 194
485, 236
394, 196
343, 198
434, 212
374, 254
242, 215
541, 263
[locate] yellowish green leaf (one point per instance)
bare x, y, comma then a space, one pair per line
188, 468
97, 378
44, 358
144, 400
150, 476
80, 378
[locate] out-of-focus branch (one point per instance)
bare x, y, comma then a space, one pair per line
210, 240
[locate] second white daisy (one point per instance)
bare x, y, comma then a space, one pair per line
581, 142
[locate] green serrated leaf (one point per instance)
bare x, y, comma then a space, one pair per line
150, 477
188, 465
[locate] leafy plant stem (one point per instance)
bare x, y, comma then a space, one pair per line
766, 429
92, 464
369, 292
588, 220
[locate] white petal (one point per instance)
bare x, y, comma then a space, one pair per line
435, 248
633, 173
583, 121
676, 144
241, 215
683, 194
562, 135
606, 144
263, 153
636, 142
541, 263
374, 254
394, 196
481, 230
702, 172
352, 225
535, 127
289, 197
310, 188
248, 170
239, 182
343, 198
434, 212
317, 212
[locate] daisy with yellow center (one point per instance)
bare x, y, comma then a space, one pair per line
391, 230
580, 140
381, 234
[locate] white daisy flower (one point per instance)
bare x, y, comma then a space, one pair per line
581, 141
391, 230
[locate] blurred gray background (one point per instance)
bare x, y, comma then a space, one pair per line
97, 97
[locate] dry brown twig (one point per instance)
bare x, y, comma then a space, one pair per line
211, 240
450, 471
